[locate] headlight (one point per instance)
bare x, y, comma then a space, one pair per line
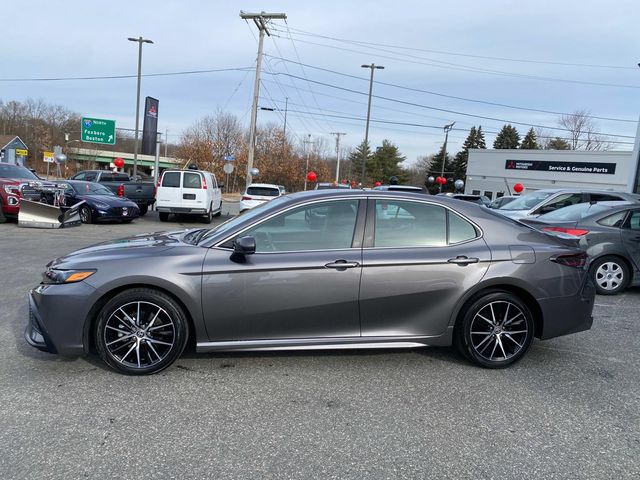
102, 206
12, 189
54, 276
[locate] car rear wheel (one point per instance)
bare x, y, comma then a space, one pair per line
143, 209
610, 274
141, 331
85, 214
495, 330
164, 216
209, 216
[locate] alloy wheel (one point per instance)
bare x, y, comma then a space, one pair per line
499, 331
609, 276
139, 334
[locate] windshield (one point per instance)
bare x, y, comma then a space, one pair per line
526, 202
91, 188
574, 212
16, 171
233, 222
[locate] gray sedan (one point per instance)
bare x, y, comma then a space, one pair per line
317, 270
610, 234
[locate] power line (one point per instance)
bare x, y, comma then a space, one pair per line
458, 54
483, 117
485, 102
468, 68
113, 77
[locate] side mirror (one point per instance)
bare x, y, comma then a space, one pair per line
244, 246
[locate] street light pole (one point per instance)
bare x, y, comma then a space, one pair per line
447, 128
260, 19
373, 67
338, 135
140, 41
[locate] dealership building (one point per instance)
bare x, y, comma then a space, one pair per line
494, 172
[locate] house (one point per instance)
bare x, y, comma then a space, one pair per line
13, 150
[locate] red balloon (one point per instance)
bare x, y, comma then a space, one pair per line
312, 177
118, 162
378, 184
518, 187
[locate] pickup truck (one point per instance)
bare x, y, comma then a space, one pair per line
12, 177
142, 193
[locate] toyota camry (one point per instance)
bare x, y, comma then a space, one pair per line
317, 270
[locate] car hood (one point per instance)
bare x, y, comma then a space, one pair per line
144, 244
110, 200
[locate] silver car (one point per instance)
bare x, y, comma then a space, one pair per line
317, 270
544, 201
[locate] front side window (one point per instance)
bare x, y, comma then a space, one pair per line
192, 180
171, 179
633, 222
562, 201
319, 226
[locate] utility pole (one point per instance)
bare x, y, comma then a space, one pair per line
166, 140
338, 135
306, 142
373, 67
447, 128
140, 41
260, 19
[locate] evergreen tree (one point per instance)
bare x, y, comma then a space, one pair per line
558, 144
507, 138
362, 152
475, 139
480, 141
530, 141
385, 163
435, 170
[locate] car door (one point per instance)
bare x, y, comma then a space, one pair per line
419, 258
302, 282
194, 191
630, 234
169, 192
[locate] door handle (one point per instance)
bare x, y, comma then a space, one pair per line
463, 260
342, 264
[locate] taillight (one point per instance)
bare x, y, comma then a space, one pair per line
120, 191
159, 180
576, 260
578, 232
245, 197
204, 183
155, 191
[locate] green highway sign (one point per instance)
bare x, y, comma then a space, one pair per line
98, 130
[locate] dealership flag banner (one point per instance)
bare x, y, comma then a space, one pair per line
150, 129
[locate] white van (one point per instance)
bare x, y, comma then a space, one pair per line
188, 192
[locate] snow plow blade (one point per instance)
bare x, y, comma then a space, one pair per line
40, 215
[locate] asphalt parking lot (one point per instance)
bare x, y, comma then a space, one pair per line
570, 409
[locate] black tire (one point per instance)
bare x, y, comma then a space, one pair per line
499, 339
3, 219
219, 212
143, 209
85, 214
209, 216
128, 220
610, 274
164, 216
147, 346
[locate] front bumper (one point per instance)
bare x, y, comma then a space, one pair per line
117, 213
58, 316
565, 315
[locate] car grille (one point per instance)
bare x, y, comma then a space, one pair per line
29, 193
122, 211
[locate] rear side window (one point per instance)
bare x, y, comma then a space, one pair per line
171, 179
263, 191
603, 197
90, 176
409, 224
460, 230
614, 220
79, 176
192, 180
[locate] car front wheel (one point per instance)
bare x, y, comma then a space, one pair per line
495, 330
141, 331
85, 214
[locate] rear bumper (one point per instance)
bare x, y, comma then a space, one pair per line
565, 315
181, 210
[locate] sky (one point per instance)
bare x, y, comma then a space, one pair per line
543, 57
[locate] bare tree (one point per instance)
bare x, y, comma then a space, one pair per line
582, 132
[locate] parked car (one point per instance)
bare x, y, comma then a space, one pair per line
544, 201
331, 185
189, 192
142, 193
101, 204
501, 201
439, 272
399, 188
610, 234
259, 193
479, 199
12, 177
